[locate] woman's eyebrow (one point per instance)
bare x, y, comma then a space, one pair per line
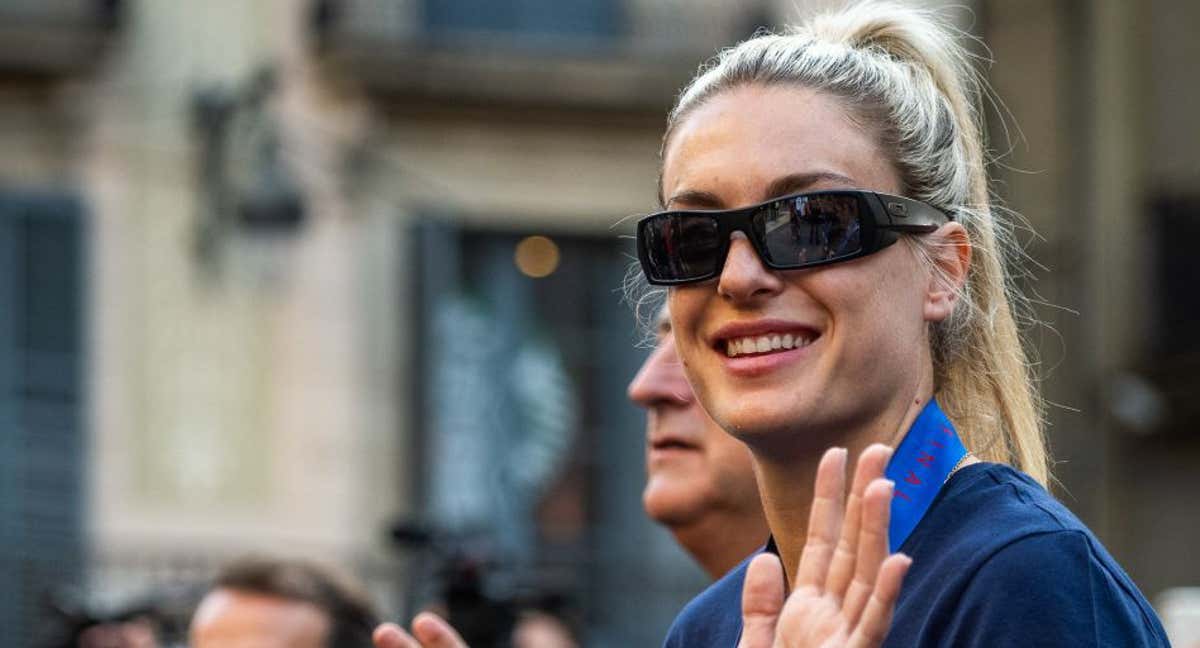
797, 182
696, 199
788, 184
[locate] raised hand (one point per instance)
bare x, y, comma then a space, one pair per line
429, 631
846, 584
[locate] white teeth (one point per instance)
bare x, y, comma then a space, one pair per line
764, 344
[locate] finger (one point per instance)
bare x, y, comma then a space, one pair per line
870, 466
434, 632
390, 635
877, 618
824, 521
762, 600
872, 546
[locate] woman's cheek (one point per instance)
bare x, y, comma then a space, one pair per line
684, 320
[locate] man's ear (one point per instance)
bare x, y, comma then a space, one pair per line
951, 257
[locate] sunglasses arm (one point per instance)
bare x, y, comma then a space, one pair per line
911, 228
911, 216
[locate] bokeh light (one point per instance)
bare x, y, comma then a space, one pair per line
536, 256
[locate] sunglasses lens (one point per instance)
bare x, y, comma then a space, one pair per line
804, 230
678, 247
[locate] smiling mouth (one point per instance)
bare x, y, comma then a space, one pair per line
767, 343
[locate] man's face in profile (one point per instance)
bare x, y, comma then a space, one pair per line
228, 618
692, 466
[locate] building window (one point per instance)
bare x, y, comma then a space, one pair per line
580, 22
41, 439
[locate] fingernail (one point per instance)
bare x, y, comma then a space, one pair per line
430, 624
891, 485
386, 632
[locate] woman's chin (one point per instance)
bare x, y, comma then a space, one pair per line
757, 415
780, 430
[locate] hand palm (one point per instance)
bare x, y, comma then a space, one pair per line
815, 614
846, 584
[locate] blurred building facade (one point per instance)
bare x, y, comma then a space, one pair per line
261, 290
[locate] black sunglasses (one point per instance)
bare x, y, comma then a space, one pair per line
797, 231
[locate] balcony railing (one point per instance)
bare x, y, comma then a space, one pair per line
618, 54
54, 37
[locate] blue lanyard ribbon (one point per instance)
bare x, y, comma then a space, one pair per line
919, 466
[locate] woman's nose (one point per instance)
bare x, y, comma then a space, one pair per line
744, 277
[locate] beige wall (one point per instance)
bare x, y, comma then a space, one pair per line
251, 408
1170, 93
518, 172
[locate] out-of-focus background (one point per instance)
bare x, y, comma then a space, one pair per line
341, 279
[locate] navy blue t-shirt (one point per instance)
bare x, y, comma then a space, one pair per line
996, 562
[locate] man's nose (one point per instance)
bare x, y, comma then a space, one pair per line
661, 381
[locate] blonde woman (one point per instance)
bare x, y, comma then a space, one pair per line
836, 278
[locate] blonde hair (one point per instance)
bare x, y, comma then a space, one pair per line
901, 72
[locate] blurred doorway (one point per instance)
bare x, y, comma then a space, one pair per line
530, 458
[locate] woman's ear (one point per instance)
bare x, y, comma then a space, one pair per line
951, 257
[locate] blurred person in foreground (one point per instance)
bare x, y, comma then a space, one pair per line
136, 633
270, 603
699, 479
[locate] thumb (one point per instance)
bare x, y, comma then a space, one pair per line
762, 600
434, 632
